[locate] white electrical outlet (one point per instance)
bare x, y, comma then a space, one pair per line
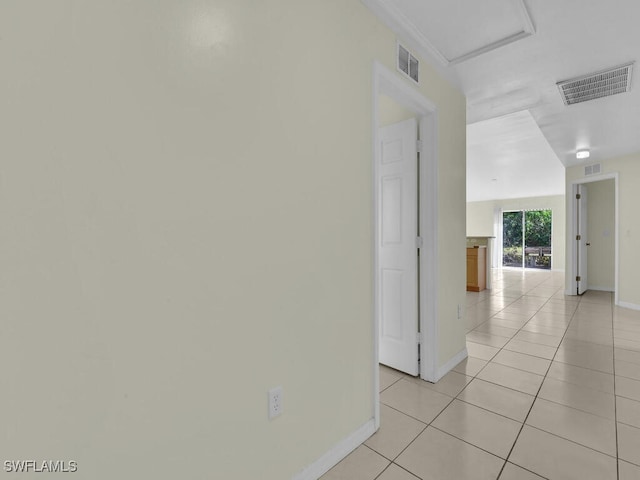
459, 311
275, 402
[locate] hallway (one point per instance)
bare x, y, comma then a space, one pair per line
551, 389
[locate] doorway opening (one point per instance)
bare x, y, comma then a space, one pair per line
394, 189
526, 239
594, 239
592, 247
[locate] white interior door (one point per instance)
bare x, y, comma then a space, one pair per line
397, 285
581, 238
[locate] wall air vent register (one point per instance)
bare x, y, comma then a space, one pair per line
407, 63
592, 169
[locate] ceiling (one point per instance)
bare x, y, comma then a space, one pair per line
508, 155
507, 56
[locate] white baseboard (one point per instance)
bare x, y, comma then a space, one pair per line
337, 453
600, 289
630, 306
455, 360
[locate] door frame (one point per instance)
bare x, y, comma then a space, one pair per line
392, 85
573, 231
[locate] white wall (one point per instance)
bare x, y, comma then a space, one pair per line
628, 169
186, 205
480, 220
601, 235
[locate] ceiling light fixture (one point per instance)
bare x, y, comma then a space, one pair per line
580, 154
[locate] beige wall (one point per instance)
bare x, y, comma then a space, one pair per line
628, 170
390, 111
480, 220
186, 204
601, 235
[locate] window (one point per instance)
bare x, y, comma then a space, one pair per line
526, 239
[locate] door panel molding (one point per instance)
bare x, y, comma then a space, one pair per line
397, 200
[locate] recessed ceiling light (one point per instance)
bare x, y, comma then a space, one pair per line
582, 154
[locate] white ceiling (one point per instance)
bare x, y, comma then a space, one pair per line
508, 155
507, 56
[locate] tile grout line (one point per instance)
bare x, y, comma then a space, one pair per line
399, 466
407, 415
447, 406
390, 385
537, 394
541, 375
456, 397
502, 348
571, 441
391, 462
615, 398
544, 377
573, 321
518, 331
427, 426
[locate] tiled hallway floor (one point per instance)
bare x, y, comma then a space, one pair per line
551, 389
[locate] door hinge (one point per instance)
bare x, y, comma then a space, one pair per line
419, 146
419, 242
578, 196
578, 237
578, 278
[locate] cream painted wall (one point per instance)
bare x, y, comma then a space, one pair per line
452, 266
390, 111
601, 235
480, 220
186, 205
628, 169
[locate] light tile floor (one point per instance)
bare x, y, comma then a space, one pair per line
551, 389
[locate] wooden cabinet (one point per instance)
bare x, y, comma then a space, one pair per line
476, 269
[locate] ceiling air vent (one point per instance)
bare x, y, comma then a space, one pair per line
596, 85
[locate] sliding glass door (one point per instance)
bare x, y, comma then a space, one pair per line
512, 239
526, 239
537, 239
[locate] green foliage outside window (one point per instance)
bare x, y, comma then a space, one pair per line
537, 238
537, 228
